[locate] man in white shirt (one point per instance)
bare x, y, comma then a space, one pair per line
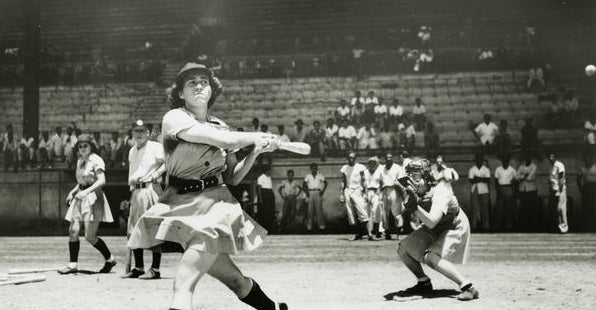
505, 212
390, 173
146, 166
386, 138
371, 99
266, 199
479, 176
558, 189
396, 112
352, 194
56, 143
528, 195
357, 99
381, 110
314, 187
283, 137
590, 128
347, 136
343, 112
288, 190
486, 131
373, 179
331, 134
419, 112
365, 137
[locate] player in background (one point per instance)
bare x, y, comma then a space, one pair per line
558, 190
444, 237
373, 178
146, 166
352, 194
391, 202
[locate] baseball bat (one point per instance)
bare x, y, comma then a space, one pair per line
23, 280
295, 147
30, 270
128, 261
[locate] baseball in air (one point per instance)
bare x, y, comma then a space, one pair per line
590, 70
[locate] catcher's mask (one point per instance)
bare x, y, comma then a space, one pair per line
418, 176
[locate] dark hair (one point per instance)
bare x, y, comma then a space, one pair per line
176, 88
290, 171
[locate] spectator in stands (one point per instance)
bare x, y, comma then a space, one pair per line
426, 57
366, 137
486, 132
396, 112
419, 112
431, 140
358, 112
265, 128
314, 187
529, 136
44, 150
570, 106
331, 135
300, 135
102, 150
347, 136
343, 112
410, 135
528, 195
503, 143
590, 134
358, 61
57, 146
558, 192
266, 199
26, 152
283, 137
357, 99
115, 149
9, 149
381, 112
504, 215
536, 76
479, 176
587, 186
371, 99
368, 116
316, 139
289, 190
255, 125
386, 138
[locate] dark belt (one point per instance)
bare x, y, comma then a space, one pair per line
505, 185
84, 187
372, 188
142, 185
314, 190
187, 186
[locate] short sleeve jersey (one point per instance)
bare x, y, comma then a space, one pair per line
87, 170
353, 177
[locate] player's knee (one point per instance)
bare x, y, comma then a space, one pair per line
431, 259
237, 284
73, 232
91, 239
401, 251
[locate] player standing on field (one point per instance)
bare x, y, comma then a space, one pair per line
373, 179
146, 166
352, 193
391, 202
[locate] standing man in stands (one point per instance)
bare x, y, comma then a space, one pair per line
486, 132
314, 187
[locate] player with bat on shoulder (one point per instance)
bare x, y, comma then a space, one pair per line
147, 165
444, 237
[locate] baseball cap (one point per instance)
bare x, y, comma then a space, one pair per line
193, 66
139, 124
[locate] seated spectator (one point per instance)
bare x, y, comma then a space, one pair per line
357, 112
381, 112
410, 135
44, 150
57, 146
343, 112
281, 131
300, 135
26, 152
396, 112
424, 34
265, 128
115, 149
486, 131
426, 57
386, 137
431, 140
368, 116
366, 137
590, 136
419, 113
255, 124
347, 136
536, 76
529, 136
371, 99
9, 149
571, 103
357, 99
503, 143
331, 135
316, 139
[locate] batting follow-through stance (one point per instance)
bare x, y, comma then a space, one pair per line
444, 237
352, 193
197, 214
147, 164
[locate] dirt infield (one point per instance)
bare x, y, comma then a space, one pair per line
512, 271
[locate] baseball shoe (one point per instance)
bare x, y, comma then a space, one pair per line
281, 306
151, 275
67, 270
563, 228
468, 293
420, 288
356, 237
133, 274
107, 267
388, 236
379, 235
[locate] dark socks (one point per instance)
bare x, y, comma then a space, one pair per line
156, 260
102, 248
138, 255
257, 299
73, 250
375, 229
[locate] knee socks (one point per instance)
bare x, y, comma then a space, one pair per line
103, 249
73, 250
156, 261
257, 299
138, 255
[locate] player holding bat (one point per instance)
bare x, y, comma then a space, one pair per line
444, 237
147, 164
197, 214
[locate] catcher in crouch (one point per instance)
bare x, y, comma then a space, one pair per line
444, 237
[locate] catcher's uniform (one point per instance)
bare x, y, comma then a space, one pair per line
353, 193
144, 162
373, 194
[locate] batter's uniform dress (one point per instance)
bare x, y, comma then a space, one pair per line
94, 207
143, 163
391, 202
315, 184
450, 238
209, 220
373, 194
354, 193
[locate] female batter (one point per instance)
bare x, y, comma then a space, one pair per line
197, 214
88, 205
444, 237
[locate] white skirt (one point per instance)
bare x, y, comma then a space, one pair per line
92, 208
140, 201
